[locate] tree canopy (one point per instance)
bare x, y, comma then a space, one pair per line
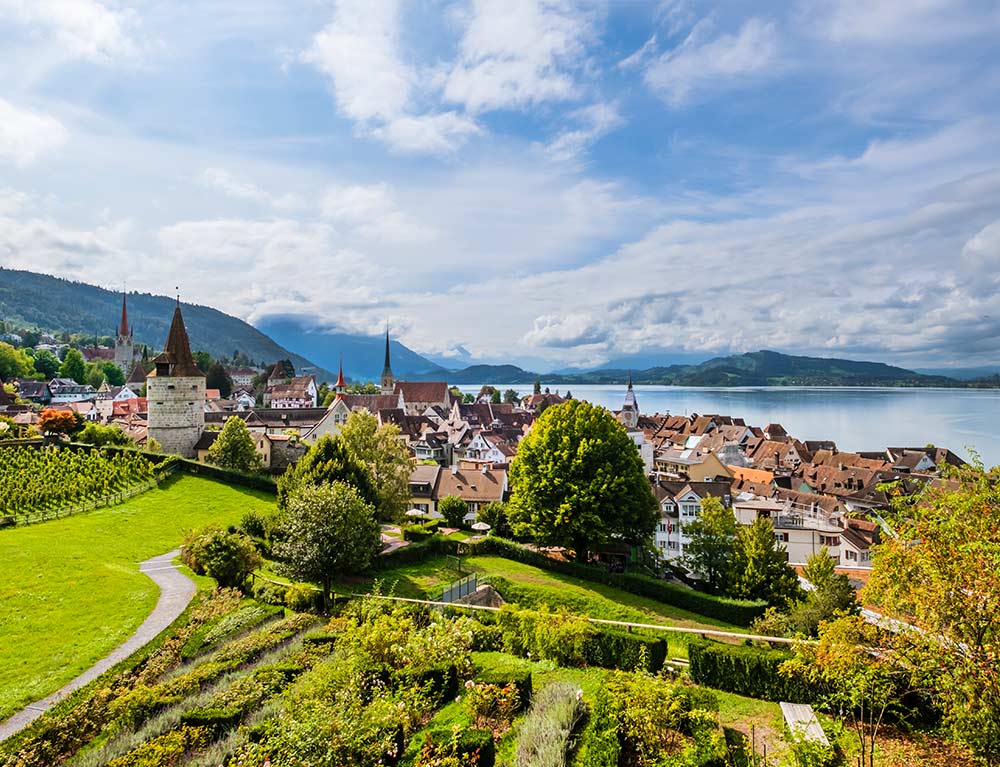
760, 566
454, 509
578, 481
381, 451
327, 461
234, 447
217, 378
73, 367
939, 572
326, 531
712, 544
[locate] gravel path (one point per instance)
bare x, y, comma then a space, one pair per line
176, 592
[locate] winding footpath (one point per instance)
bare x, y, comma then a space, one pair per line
176, 592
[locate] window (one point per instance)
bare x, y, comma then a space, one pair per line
671, 544
783, 537
662, 544
829, 540
851, 555
689, 509
663, 527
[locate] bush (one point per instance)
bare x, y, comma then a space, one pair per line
746, 670
269, 593
598, 742
303, 598
165, 750
215, 720
513, 676
611, 648
227, 557
736, 611
454, 510
417, 533
544, 735
493, 706
457, 748
441, 681
255, 524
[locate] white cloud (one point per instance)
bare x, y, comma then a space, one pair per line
639, 57
439, 133
900, 22
371, 212
224, 181
565, 331
26, 135
699, 66
360, 51
518, 53
86, 29
596, 121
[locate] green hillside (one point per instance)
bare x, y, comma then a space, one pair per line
56, 305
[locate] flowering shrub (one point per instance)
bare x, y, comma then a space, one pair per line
456, 748
493, 706
166, 750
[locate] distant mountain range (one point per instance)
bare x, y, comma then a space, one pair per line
55, 305
363, 356
762, 368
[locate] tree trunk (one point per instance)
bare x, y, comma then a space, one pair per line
326, 592
580, 544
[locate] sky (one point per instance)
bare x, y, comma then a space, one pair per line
550, 183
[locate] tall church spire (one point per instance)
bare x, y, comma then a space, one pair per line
340, 386
123, 327
388, 379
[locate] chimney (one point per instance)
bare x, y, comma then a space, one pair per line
454, 469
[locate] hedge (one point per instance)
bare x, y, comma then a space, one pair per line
612, 648
504, 675
441, 681
736, 611
217, 720
417, 533
414, 552
746, 670
472, 747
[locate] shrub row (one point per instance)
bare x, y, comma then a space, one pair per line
414, 533
417, 551
746, 670
502, 676
227, 626
736, 611
440, 681
457, 746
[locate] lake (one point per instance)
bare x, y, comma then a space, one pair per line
856, 418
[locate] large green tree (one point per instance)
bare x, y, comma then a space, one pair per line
382, 451
14, 363
234, 447
327, 461
454, 510
46, 364
113, 374
712, 546
326, 531
939, 573
578, 481
760, 567
831, 594
73, 366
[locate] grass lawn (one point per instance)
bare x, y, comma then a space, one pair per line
71, 591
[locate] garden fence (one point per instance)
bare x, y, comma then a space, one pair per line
460, 589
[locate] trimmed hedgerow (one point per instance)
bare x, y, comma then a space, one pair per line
746, 670
501, 676
736, 611
457, 746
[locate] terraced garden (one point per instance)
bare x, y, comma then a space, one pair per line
71, 591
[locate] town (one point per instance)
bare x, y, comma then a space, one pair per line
816, 496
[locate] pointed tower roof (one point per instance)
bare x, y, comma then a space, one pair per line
177, 353
630, 401
387, 370
123, 328
340, 385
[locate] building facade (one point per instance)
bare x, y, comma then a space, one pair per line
175, 392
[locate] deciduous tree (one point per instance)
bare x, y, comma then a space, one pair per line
494, 514
327, 461
454, 509
46, 364
326, 531
940, 573
712, 547
73, 366
234, 447
14, 363
113, 374
227, 557
382, 451
58, 422
218, 378
578, 480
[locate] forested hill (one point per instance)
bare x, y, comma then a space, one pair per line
57, 305
762, 368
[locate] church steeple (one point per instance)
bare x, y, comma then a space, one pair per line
630, 409
388, 380
340, 386
176, 359
123, 327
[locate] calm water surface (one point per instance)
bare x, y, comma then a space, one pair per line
855, 418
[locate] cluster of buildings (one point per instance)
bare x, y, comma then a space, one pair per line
815, 495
